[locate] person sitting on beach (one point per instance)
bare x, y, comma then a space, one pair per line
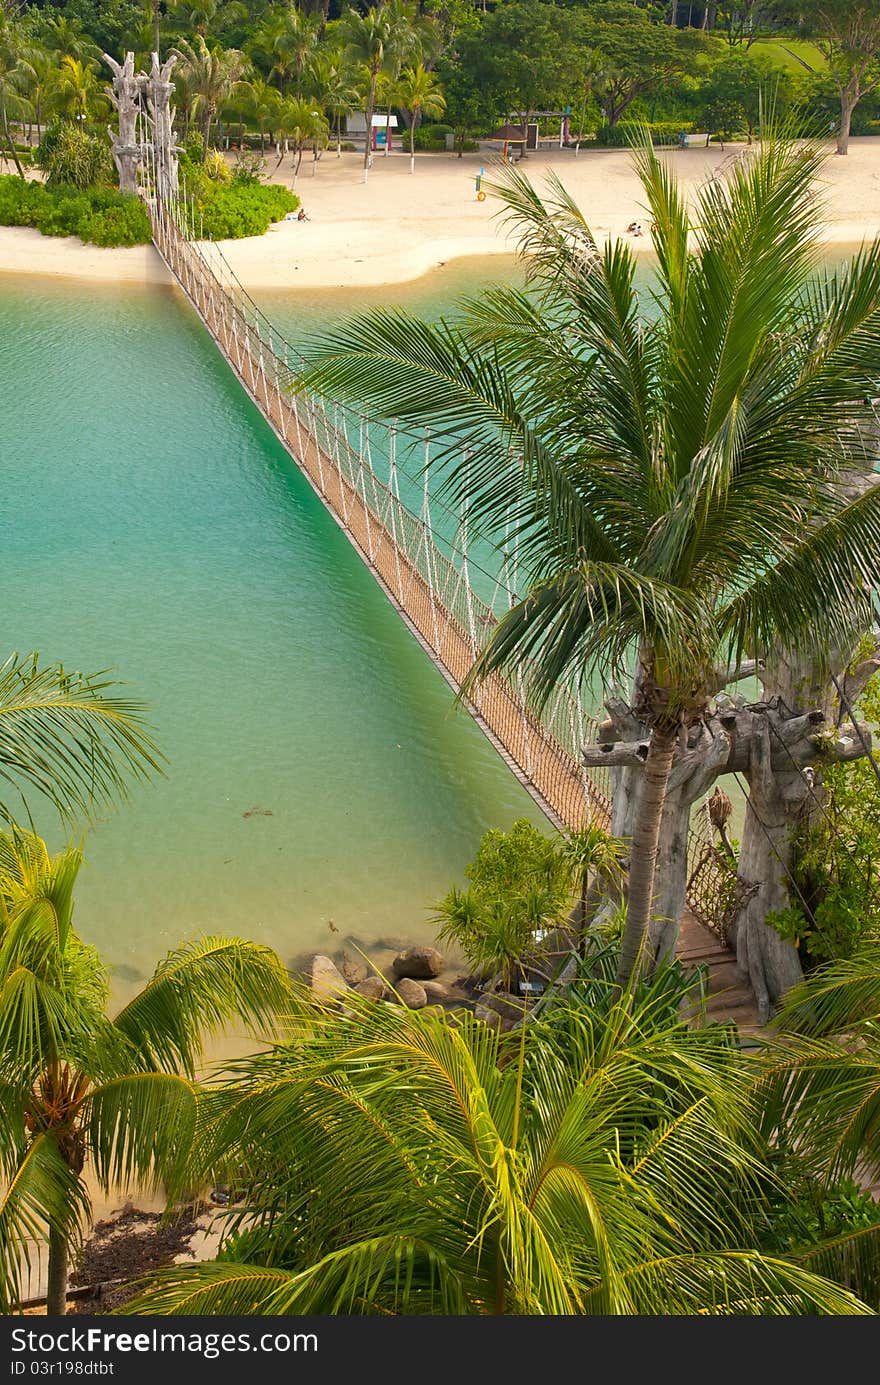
301, 215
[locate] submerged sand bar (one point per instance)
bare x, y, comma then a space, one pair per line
399, 226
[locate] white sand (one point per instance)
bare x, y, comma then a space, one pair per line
397, 226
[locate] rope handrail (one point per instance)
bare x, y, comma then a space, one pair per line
431, 589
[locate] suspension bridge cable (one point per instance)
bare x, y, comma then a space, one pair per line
415, 436
364, 420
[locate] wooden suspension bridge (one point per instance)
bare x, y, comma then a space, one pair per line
425, 574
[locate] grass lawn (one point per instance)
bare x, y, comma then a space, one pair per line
787, 52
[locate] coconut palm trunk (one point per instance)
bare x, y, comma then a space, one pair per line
56, 1292
655, 513
643, 857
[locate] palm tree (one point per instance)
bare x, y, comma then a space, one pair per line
79, 89
409, 35
42, 83
285, 44
261, 103
299, 122
209, 77
681, 498
368, 38
16, 75
598, 1161
198, 13
76, 1085
593, 858
332, 84
68, 37
419, 90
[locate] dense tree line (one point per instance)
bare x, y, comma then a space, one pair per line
293, 73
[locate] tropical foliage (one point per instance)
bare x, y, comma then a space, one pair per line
679, 474
602, 1160
80, 1087
518, 888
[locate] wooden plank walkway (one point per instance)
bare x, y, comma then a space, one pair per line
728, 997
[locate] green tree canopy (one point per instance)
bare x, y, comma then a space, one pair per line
630, 56
678, 482
599, 1161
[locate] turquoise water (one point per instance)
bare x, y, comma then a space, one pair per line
153, 524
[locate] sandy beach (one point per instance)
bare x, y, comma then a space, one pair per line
398, 226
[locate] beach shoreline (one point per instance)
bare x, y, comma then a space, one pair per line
396, 227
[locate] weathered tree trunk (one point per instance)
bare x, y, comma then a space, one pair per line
776, 798
643, 856
56, 1292
849, 99
771, 743
125, 95
702, 756
784, 775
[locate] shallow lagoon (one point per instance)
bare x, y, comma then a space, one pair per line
152, 524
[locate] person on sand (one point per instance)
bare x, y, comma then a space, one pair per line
301, 215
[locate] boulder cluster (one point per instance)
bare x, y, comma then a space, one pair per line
411, 980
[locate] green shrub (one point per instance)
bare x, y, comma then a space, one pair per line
72, 156
124, 222
194, 148
21, 203
99, 215
431, 138
425, 139
833, 901
622, 136
61, 215
243, 208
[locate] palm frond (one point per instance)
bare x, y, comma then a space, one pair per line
735, 1283
196, 991
140, 1130
71, 737
852, 1258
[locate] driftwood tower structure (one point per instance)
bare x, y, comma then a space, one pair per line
145, 140
158, 90
125, 93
